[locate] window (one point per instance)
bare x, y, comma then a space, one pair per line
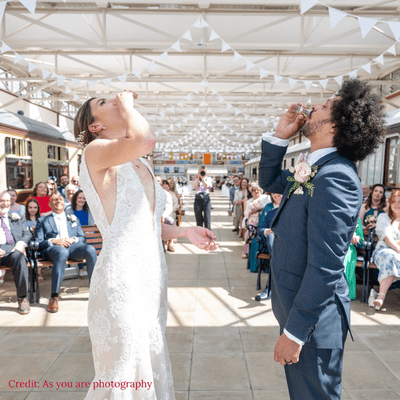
19, 173
29, 148
57, 169
391, 152
57, 153
7, 145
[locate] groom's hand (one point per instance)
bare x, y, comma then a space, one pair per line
289, 124
286, 351
202, 238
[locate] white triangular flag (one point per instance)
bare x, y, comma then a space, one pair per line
249, 65
380, 60
162, 113
151, 65
31, 66
237, 112
75, 82
246, 116
353, 74
107, 81
214, 92
307, 84
367, 67
60, 80
67, 90
306, 5
213, 35
324, 83
236, 56
221, 99
29, 4
187, 35
2, 8
137, 72
335, 16
292, 82
395, 27
180, 104
263, 72
203, 23
204, 83
176, 46
5, 47
18, 58
189, 97
366, 24
45, 73
225, 46
196, 90
122, 78
228, 106
339, 79
164, 56
171, 109
277, 78
197, 24
392, 50
76, 97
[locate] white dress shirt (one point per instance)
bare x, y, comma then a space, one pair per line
312, 159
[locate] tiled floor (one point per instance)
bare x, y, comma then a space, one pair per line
221, 341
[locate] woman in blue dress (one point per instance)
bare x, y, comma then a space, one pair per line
387, 252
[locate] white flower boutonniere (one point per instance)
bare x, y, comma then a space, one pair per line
72, 217
302, 174
15, 217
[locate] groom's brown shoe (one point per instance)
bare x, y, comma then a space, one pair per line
53, 305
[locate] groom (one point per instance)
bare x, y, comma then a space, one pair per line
313, 228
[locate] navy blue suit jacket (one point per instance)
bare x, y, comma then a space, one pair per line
310, 296
46, 229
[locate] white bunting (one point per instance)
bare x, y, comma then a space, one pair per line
263, 72
277, 78
228, 106
203, 23
75, 82
236, 56
76, 97
2, 8
246, 116
395, 27
164, 56
249, 65
204, 83
67, 90
180, 104
213, 35
5, 47
292, 82
367, 67
380, 60
176, 46
29, 4
18, 58
196, 90
255, 120
31, 67
225, 47
197, 24
324, 83
45, 73
237, 112
307, 4
392, 50
91, 83
196, 110
60, 80
137, 72
366, 24
122, 78
162, 113
151, 65
307, 84
188, 97
339, 79
221, 99
187, 36
107, 81
353, 74
335, 16
171, 109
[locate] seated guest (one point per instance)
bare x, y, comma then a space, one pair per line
41, 194
75, 181
51, 183
64, 180
80, 208
32, 214
387, 252
350, 260
15, 207
365, 190
13, 240
60, 238
69, 193
264, 230
375, 205
241, 195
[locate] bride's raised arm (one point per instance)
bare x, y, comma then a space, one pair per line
123, 134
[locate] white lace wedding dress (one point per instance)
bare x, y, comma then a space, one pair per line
128, 294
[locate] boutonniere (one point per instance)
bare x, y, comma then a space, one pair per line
15, 217
71, 217
302, 174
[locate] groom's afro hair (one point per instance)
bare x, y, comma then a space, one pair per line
359, 120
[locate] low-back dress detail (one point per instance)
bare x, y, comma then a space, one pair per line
127, 310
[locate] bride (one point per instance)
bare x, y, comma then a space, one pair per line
127, 310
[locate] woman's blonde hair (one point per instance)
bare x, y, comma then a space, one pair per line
395, 193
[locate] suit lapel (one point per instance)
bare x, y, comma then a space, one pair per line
69, 227
53, 224
319, 164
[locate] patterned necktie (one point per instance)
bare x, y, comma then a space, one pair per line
9, 236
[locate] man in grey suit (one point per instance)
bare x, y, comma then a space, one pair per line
60, 238
313, 228
14, 238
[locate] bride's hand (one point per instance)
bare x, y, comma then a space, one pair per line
125, 100
202, 238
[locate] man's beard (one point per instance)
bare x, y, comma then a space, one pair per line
307, 130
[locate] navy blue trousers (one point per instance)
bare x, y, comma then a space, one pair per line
59, 256
317, 375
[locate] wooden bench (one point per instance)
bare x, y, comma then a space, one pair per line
93, 237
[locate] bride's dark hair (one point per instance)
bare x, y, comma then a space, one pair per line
82, 121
